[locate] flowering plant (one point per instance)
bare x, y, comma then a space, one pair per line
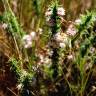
53, 57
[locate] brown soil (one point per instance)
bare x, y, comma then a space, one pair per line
7, 79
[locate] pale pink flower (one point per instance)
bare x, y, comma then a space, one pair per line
27, 41
70, 57
92, 50
58, 37
71, 31
27, 38
60, 11
61, 37
4, 25
48, 12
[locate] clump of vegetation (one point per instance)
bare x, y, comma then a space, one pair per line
55, 57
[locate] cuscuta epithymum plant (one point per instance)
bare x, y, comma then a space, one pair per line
86, 37
58, 44
54, 16
54, 30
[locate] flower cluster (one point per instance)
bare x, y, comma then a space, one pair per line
44, 57
50, 21
27, 39
44, 60
60, 12
62, 39
71, 31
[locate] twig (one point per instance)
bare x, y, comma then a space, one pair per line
12, 91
